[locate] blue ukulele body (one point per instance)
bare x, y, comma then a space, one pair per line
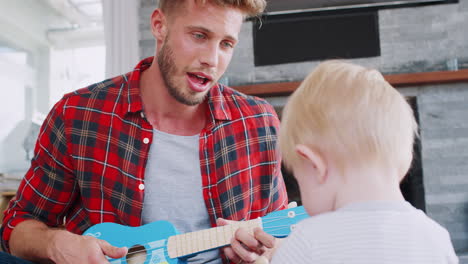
153, 237
148, 244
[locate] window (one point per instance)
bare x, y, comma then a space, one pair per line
75, 68
17, 80
47, 48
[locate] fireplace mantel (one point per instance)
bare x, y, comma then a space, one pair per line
397, 80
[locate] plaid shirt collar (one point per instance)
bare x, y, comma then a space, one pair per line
132, 103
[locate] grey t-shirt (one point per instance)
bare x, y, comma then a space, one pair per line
173, 187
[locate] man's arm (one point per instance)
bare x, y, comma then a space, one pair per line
44, 196
35, 241
38, 236
47, 189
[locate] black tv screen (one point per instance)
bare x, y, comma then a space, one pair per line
294, 6
304, 30
306, 37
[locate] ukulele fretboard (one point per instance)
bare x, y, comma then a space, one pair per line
194, 242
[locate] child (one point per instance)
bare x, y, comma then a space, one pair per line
348, 137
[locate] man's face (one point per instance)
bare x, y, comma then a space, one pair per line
197, 49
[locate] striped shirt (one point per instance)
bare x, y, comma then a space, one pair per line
92, 150
368, 233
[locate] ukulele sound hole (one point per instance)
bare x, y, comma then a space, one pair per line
136, 255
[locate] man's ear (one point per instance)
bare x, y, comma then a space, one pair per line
315, 160
158, 25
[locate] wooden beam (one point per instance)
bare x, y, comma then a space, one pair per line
427, 78
268, 89
397, 80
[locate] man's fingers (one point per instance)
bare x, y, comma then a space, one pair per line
262, 260
247, 239
111, 251
264, 238
246, 246
231, 255
223, 222
242, 252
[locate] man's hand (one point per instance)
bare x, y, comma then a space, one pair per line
247, 247
33, 240
71, 248
262, 260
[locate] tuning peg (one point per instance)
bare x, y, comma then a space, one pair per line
292, 205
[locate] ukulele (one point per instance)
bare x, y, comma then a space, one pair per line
160, 242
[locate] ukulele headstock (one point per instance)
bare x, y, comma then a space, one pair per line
281, 223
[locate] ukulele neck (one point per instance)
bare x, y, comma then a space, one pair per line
198, 241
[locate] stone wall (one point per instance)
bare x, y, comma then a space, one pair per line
443, 113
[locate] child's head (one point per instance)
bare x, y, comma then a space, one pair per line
346, 116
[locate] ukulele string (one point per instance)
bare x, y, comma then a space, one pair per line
271, 220
164, 250
279, 218
138, 253
150, 249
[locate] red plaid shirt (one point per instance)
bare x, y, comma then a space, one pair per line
92, 150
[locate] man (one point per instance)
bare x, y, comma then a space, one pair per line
164, 142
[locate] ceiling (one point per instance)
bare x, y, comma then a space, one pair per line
85, 23
89, 8
32, 24
79, 13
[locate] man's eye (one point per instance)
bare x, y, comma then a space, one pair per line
198, 36
227, 44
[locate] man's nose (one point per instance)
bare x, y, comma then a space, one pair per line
210, 56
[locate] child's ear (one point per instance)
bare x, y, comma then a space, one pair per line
315, 160
158, 25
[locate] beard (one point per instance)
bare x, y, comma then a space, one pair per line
168, 71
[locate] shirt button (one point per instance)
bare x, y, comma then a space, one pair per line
142, 114
141, 186
146, 140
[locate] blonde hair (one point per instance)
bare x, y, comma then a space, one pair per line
352, 113
249, 7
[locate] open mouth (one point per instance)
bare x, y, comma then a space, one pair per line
199, 78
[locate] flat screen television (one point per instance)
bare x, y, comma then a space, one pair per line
295, 6
306, 30
312, 36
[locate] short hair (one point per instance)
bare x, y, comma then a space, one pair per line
352, 113
249, 7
